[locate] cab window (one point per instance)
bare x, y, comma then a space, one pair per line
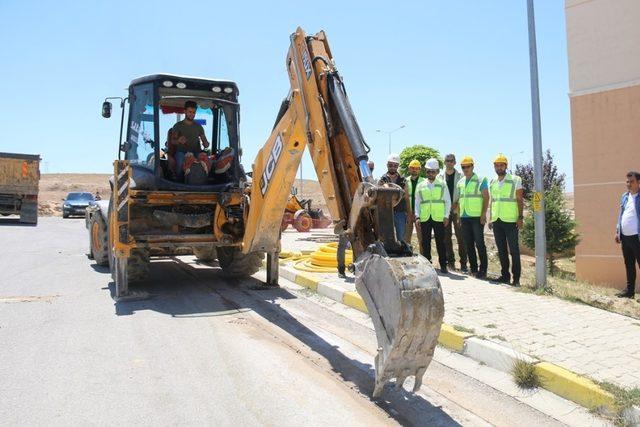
140, 148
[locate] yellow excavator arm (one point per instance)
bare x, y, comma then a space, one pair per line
401, 291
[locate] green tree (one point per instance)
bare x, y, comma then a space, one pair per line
559, 226
420, 152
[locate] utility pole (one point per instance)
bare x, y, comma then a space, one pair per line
538, 198
389, 134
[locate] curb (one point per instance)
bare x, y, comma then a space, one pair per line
554, 378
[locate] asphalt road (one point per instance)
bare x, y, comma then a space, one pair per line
201, 350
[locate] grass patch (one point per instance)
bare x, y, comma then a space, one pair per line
498, 337
490, 326
524, 374
463, 329
623, 397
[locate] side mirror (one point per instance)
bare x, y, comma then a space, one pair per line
106, 109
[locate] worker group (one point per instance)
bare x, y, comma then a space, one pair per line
450, 202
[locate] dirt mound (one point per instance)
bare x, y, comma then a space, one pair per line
55, 186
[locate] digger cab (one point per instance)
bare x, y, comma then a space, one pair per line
155, 103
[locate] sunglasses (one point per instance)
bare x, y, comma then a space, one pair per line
466, 167
450, 161
431, 171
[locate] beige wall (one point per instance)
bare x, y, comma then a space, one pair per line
603, 41
603, 44
606, 145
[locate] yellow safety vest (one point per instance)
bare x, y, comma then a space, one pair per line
410, 189
504, 205
470, 200
432, 203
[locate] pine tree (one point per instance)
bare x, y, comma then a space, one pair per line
560, 227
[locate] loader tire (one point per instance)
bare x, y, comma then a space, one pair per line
138, 265
205, 253
236, 264
302, 222
98, 239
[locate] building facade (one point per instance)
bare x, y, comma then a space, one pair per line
603, 43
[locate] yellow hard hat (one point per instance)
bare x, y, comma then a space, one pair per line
501, 158
466, 160
415, 164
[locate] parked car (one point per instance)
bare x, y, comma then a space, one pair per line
76, 204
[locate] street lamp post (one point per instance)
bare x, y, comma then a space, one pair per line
389, 134
538, 199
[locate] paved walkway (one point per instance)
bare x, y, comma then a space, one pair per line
596, 343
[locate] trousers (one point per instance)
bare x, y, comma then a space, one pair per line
506, 235
438, 231
631, 253
473, 236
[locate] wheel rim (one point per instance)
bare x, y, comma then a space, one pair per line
95, 237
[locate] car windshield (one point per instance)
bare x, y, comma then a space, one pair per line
80, 196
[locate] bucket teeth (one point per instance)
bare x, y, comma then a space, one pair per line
404, 298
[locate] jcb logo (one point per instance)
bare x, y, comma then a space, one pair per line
306, 62
271, 165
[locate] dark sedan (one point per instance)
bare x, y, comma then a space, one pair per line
76, 204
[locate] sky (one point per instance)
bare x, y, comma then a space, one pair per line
454, 73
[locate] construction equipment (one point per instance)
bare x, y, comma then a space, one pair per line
302, 216
237, 221
19, 179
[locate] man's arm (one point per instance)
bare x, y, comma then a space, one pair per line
205, 142
416, 206
485, 201
447, 205
618, 223
520, 198
176, 138
202, 136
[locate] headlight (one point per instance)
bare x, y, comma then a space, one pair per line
216, 89
228, 89
181, 85
167, 83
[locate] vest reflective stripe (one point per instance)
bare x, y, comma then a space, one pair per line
410, 189
504, 205
470, 200
432, 203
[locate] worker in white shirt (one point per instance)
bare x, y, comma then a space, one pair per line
628, 231
432, 207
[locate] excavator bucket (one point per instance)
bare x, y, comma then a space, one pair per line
405, 302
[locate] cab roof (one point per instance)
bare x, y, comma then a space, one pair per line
200, 82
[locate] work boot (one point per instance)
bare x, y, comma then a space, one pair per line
463, 268
443, 269
503, 279
625, 294
516, 282
481, 275
451, 266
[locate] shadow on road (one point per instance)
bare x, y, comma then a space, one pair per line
189, 290
15, 222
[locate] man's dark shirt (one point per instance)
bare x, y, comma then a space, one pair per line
386, 179
414, 184
450, 184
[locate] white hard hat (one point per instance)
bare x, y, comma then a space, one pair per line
393, 158
432, 164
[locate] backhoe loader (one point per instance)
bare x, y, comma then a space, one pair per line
154, 212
